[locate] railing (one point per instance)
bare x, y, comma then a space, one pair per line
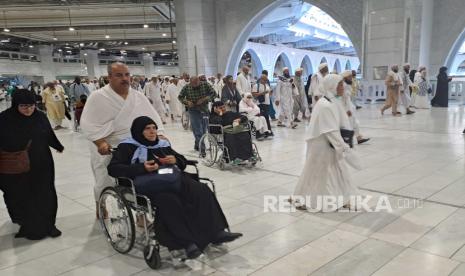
19, 56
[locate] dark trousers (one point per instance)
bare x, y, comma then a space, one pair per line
265, 111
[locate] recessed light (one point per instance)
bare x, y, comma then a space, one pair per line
81, 44
59, 50
102, 49
107, 36
85, 54
143, 49
146, 26
174, 41
31, 46
55, 38
126, 43
6, 30
163, 34
71, 29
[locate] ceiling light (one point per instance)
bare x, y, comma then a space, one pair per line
126, 43
143, 49
107, 36
6, 30
102, 49
146, 26
69, 51
85, 54
174, 41
59, 50
55, 38
81, 44
164, 34
71, 29
31, 46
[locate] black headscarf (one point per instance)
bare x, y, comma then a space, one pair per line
442, 71
22, 96
216, 104
137, 129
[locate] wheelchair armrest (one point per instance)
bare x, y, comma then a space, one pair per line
192, 162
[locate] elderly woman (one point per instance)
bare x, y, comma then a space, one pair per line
29, 194
421, 98
229, 95
54, 99
189, 214
253, 114
325, 173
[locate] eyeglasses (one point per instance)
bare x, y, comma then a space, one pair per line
26, 106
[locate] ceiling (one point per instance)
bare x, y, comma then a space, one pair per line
111, 25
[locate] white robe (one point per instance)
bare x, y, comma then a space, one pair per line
404, 98
285, 93
252, 110
348, 105
218, 86
243, 84
107, 115
172, 93
315, 84
325, 172
154, 93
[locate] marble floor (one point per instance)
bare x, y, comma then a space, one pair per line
411, 159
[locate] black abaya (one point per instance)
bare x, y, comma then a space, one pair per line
192, 215
441, 99
30, 197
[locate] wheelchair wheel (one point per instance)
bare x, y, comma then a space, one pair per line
152, 256
116, 218
209, 145
185, 120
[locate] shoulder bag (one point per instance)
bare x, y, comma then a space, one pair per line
15, 162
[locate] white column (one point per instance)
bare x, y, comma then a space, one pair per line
92, 64
148, 65
46, 63
196, 36
426, 28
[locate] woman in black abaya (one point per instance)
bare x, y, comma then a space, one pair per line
441, 99
30, 197
189, 217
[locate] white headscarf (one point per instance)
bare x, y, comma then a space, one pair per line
249, 102
329, 85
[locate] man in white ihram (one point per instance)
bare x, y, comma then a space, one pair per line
326, 172
153, 91
316, 81
243, 83
107, 119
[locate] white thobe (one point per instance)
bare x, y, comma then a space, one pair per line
300, 100
325, 172
252, 110
284, 93
154, 92
243, 84
218, 86
172, 93
314, 89
108, 116
404, 98
348, 105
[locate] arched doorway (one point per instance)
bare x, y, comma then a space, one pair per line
251, 59
306, 66
241, 34
281, 61
323, 60
337, 66
348, 65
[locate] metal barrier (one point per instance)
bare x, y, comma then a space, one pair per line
372, 92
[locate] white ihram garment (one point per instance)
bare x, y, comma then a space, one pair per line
172, 93
153, 92
252, 110
285, 93
108, 116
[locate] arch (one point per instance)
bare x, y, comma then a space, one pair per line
285, 62
306, 65
323, 60
337, 66
261, 8
256, 63
348, 65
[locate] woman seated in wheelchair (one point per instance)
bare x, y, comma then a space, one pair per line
236, 133
188, 214
249, 108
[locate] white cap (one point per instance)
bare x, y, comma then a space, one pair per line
322, 65
346, 73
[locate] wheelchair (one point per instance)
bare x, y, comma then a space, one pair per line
120, 208
216, 152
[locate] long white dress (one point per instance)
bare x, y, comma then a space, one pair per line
284, 93
422, 100
172, 93
348, 105
108, 116
154, 92
326, 171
